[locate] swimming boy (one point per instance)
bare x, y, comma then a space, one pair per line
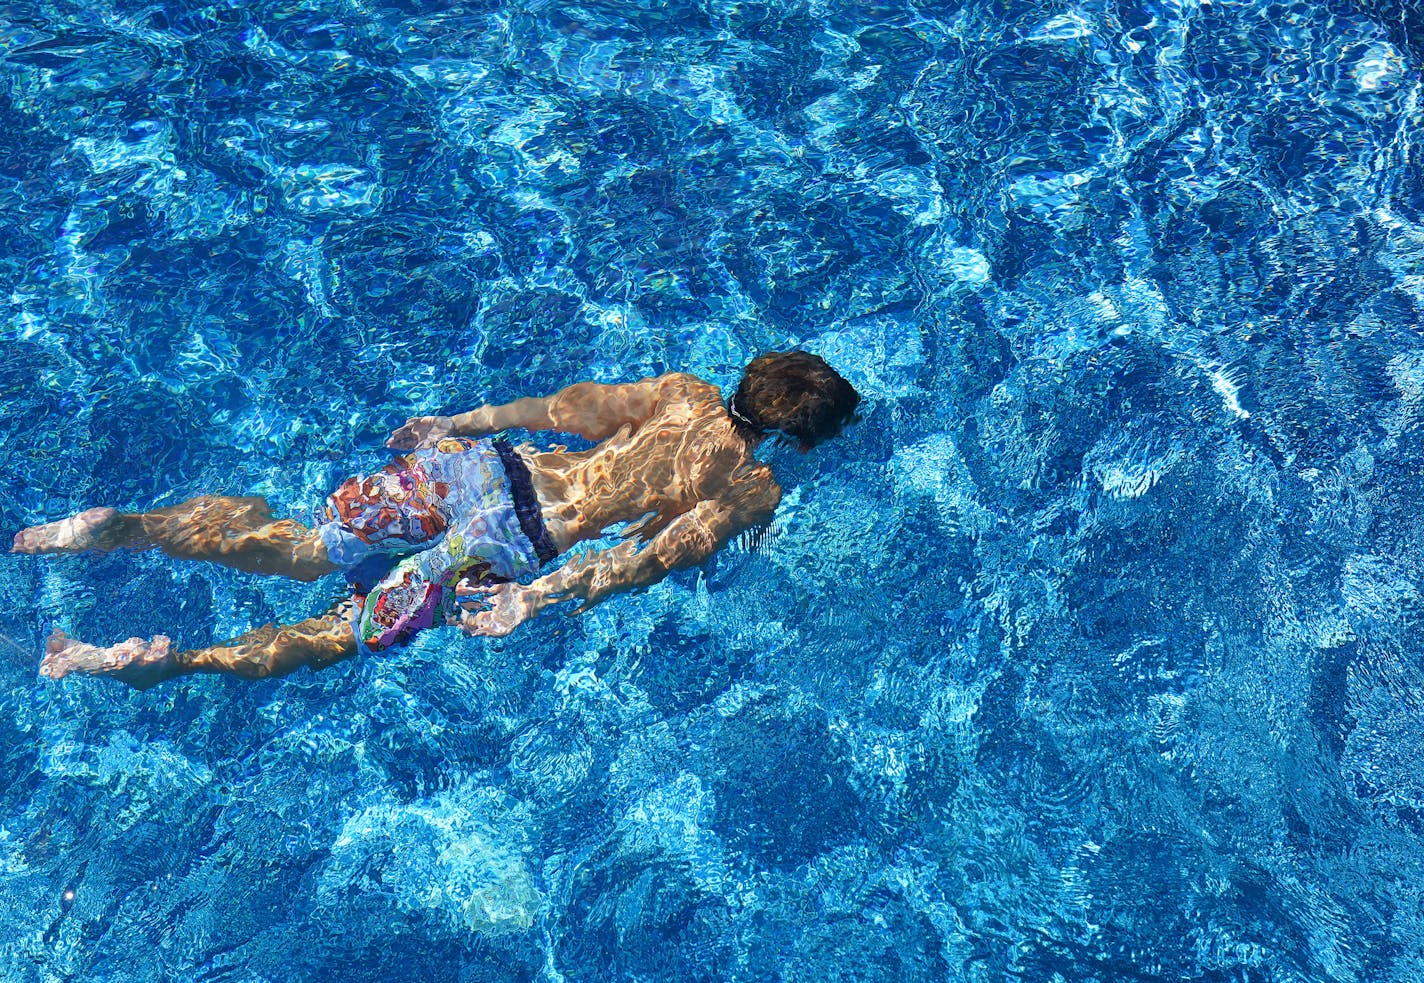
444, 534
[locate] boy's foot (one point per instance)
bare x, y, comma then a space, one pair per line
137, 662
84, 531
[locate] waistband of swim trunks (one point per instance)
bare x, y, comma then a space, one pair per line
526, 503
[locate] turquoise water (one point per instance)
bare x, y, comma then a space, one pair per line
1090, 655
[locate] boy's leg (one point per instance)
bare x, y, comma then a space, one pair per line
236, 532
272, 650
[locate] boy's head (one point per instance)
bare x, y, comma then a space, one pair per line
797, 394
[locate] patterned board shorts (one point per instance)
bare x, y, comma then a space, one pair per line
406, 535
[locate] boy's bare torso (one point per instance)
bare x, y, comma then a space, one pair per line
684, 451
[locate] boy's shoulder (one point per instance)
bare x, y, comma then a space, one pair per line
685, 385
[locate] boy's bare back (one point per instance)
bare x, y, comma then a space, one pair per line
671, 449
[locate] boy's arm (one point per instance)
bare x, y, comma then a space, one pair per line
589, 409
687, 541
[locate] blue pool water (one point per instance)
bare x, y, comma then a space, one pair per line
1092, 654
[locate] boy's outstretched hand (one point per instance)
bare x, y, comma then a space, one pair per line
421, 432
495, 610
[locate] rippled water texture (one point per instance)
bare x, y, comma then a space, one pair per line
1092, 654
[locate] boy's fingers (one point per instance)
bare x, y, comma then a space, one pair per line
465, 588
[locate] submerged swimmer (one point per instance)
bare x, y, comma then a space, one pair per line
444, 534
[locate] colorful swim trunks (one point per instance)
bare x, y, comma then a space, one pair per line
463, 510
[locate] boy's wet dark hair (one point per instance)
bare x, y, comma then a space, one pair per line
796, 393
